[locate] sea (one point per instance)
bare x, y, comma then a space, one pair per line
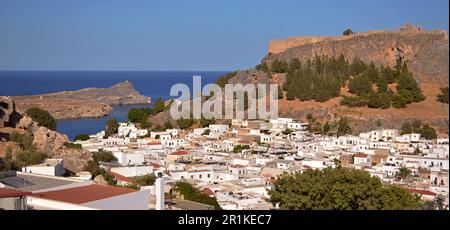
149, 83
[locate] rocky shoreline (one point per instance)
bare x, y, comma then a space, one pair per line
83, 103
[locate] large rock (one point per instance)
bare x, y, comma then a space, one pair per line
48, 141
75, 160
8, 114
100, 180
51, 143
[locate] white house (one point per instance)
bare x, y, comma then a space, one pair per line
129, 158
265, 138
51, 167
220, 129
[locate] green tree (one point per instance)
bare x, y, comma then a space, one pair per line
239, 148
185, 123
263, 67
428, 132
353, 101
443, 96
168, 125
145, 180
287, 131
158, 106
223, 80
280, 92
189, 192
360, 85
399, 102
403, 173
29, 157
206, 122
112, 127
339, 189
206, 132
407, 83
82, 137
347, 32
295, 64
42, 117
279, 66
72, 145
136, 115
326, 128
343, 127
379, 100
104, 156
8, 161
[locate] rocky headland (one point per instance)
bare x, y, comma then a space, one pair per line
83, 103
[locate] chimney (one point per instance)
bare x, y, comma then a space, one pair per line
159, 193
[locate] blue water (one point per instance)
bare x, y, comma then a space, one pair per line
149, 83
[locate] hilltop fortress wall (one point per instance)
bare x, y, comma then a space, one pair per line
425, 51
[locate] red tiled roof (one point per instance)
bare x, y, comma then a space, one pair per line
422, 192
84, 194
154, 143
361, 155
123, 178
154, 165
6, 193
181, 152
209, 192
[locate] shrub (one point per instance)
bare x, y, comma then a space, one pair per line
82, 137
136, 115
42, 117
104, 156
347, 32
443, 96
72, 145
112, 127
189, 192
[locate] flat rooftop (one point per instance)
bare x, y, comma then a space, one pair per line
30, 183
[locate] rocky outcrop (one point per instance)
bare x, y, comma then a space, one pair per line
47, 141
8, 114
425, 51
51, 143
100, 180
89, 102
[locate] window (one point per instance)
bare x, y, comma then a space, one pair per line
200, 176
192, 176
209, 176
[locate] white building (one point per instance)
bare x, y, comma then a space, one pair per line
51, 167
129, 158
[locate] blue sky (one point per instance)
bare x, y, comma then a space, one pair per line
183, 35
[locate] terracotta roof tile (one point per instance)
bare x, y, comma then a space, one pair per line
84, 194
181, 152
123, 178
6, 193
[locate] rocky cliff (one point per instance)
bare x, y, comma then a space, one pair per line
425, 51
89, 102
